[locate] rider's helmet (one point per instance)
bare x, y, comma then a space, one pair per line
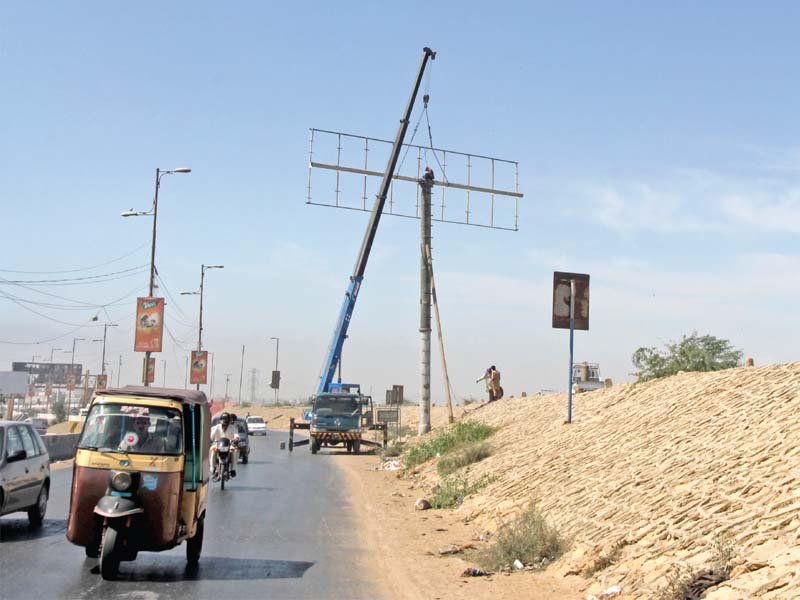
225, 418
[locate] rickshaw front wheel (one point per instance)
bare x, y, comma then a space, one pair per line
194, 545
109, 555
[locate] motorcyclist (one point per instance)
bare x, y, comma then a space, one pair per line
224, 429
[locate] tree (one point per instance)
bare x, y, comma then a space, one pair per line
690, 353
59, 410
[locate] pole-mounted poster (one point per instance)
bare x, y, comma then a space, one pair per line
199, 371
150, 372
149, 324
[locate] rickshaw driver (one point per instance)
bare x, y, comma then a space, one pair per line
145, 443
224, 429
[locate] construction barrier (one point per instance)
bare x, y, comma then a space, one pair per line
61, 446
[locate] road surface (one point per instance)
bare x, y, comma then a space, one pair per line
284, 528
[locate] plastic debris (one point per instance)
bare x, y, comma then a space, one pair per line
470, 572
518, 564
393, 464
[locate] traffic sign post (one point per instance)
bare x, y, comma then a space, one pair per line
570, 311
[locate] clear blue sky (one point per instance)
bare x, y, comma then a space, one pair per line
659, 149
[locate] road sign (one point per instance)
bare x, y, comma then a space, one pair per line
562, 296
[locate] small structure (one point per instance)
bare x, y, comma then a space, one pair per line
586, 377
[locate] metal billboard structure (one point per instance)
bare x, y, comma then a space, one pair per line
49, 373
477, 190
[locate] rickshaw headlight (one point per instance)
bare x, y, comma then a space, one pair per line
121, 481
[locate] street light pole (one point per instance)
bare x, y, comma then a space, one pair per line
227, 379
105, 329
154, 210
203, 269
277, 349
71, 366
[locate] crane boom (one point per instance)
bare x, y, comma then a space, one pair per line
351, 295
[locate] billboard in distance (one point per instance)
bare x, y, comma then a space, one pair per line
44, 373
199, 370
149, 324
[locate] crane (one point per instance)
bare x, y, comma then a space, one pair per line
351, 295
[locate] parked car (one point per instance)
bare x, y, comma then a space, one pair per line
257, 425
244, 437
24, 471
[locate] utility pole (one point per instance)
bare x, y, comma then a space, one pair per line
241, 375
211, 387
426, 184
227, 379
105, 329
186, 375
119, 370
164, 380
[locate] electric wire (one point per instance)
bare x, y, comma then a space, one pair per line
91, 279
119, 258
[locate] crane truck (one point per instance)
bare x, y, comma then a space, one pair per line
339, 412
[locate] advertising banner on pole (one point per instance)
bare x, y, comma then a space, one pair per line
102, 382
275, 382
199, 370
149, 324
151, 371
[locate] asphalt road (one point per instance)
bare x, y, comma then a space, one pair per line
283, 528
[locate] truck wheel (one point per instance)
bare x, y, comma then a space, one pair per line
313, 445
194, 545
349, 445
357, 446
109, 554
245, 458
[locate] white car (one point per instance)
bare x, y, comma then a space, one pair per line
24, 471
257, 425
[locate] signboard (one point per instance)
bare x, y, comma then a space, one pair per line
101, 382
276, 380
151, 372
384, 414
149, 324
71, 379
199, 371
44, 373
562, 296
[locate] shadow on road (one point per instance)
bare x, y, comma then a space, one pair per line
18, 530
218, 568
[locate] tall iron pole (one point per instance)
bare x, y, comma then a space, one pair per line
426, 183
72, 375
152, 269
119, 370
105, 329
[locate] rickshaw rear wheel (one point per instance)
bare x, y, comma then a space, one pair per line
109, 555
194, 545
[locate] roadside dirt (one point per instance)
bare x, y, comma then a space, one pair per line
405, 544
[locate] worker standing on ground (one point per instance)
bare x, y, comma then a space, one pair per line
494, 380
487, 378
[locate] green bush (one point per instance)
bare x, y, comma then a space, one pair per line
469, 455
59, 411
452, 491
528, 538
460, 434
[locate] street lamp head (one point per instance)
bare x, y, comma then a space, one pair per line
129, 213
214, 266
182, 170
190, 293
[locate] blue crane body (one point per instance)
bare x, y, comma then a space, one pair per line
351, 295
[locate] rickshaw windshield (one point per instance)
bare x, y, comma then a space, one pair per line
134, 429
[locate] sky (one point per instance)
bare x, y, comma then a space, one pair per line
658, 150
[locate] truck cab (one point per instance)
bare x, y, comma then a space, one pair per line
339, 416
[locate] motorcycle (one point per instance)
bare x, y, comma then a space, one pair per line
224, 455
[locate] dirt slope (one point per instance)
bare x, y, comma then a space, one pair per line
659, 468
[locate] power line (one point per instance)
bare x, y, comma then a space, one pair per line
81, 280
132, 252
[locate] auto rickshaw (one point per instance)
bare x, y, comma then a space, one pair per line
141, 475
